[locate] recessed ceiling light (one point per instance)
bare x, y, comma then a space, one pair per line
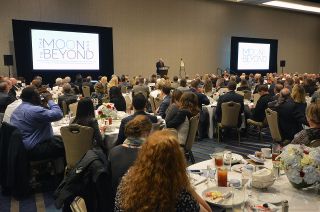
293, 6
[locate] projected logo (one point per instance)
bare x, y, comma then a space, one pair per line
65, 49
253, 56
54, 50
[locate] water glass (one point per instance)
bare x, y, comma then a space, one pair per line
228, 159
211, 173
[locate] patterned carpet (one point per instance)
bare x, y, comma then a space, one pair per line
43, 202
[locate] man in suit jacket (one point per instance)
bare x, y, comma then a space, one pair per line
67, 96
231, 95
258, 113
139, 103
277, 88
5, 99
165, 93
141, 88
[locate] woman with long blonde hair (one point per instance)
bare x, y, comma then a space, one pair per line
158, 180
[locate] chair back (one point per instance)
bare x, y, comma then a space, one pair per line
73, 108
86, 91
157, 102
247, 95
64, 108
193, 128
256, 97
77, 141
240, 93
223, 91
183, 131
272, 118
152, 102
124, 89
128, 101
230, 114
314, 143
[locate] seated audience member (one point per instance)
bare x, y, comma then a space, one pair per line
140, 88
67, 96
165, 96
175, 83
152, 184
87, 82
307, 135
78, 82
278, 87
180, 120
309, 86
208, 87
174, 104
12, 92
113, 82
243, 86
299, 97
290, 119
5, 99
202, 99
139, 103
58, 83
117, 99
85, 117
183, 86
316, 96
34, 123
122, 156
258, 113
9, 110
231, 95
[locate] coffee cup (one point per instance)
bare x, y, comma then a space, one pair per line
266, 152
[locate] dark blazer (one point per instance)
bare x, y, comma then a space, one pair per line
164, 106
258, 114
121, 135
202, 98
291, 116
178, 119
228, 97
69, 98
5, 100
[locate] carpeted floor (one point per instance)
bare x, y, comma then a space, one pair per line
43, 202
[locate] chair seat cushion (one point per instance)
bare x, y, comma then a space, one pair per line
256, 123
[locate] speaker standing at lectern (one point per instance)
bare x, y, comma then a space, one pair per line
161, 68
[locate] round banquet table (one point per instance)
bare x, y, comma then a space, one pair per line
299, 200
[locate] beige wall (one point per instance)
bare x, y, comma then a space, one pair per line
199, 31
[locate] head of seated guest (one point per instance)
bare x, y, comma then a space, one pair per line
123, 156
298, 94
85, 116
68, 96
160, 172
34, 123
139, 103
313, 133
174, 104
117, 98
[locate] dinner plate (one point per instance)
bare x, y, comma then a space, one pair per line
237, 199
269, 198
236, 158
237, 168
256, 159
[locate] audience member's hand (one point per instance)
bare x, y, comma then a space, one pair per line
47, 96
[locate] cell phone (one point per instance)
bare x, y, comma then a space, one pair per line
195, 171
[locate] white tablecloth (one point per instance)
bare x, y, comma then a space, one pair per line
299, 200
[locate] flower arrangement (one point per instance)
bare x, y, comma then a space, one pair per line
106, 110
301, 164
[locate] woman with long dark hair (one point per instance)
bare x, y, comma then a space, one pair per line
117, 99
85, 116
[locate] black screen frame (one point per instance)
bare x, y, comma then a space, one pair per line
273, 64
23, 50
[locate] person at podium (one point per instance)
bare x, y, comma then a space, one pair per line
160, 67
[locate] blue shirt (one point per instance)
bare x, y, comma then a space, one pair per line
34, 122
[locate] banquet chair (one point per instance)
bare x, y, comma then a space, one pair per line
259, 125
77, 141
229, 119
86, 91
272, 118
314, 143
128, 101
73, 108
157, 102
64, 108
152, 102
256, 97
193, 128
240, 93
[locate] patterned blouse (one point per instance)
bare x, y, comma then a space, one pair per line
185, 203
306, 136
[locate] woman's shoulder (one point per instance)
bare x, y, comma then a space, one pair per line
186, 201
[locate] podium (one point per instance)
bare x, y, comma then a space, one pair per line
163, 71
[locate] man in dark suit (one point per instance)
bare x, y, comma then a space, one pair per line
277, 88
67, 96
258, 113
231, 95
165, 93
5, 99
141, 88
139, 103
